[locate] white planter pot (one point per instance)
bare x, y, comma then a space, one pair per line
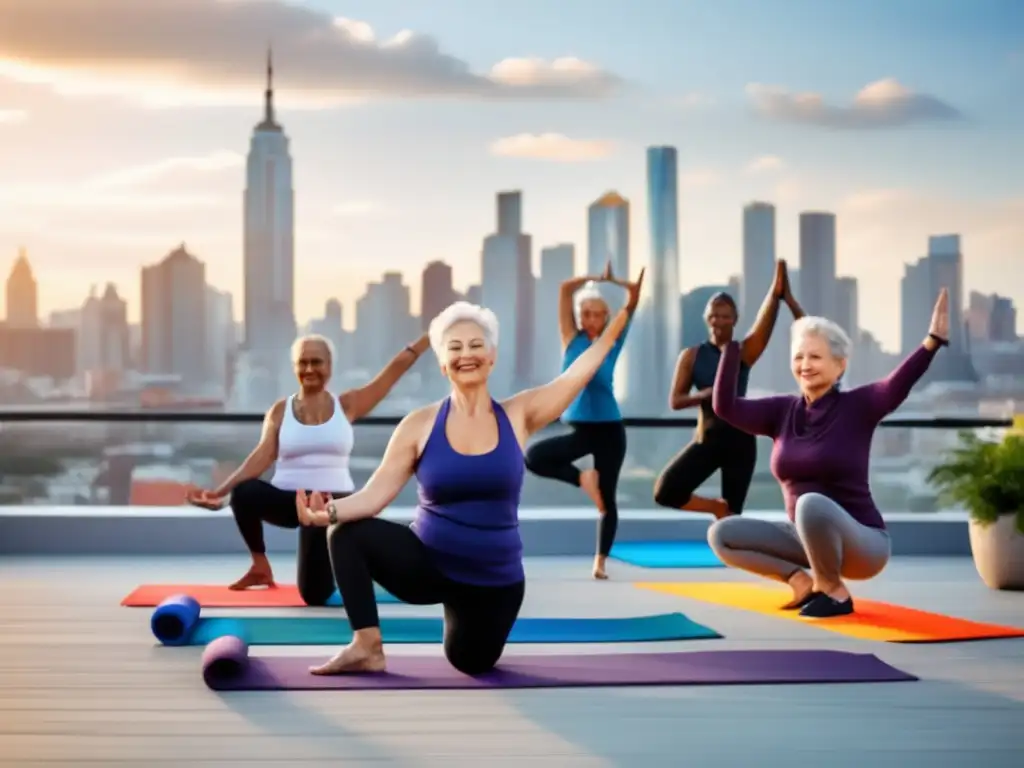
998, 551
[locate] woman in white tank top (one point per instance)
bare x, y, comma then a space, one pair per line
310, 437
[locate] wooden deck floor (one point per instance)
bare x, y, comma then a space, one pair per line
81, 684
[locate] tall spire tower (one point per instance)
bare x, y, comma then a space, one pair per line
269, 123
269, 241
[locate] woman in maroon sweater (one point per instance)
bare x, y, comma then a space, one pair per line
822, 446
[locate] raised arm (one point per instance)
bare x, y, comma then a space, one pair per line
536, 408
387, 481
762, 416
760, 334
883, 397
360, 401
566, 315
682, 382
262, 456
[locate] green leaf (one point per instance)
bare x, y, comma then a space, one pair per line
985, 476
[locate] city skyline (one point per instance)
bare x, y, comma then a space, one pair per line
895, 167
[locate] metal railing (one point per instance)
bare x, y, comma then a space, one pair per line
156, 415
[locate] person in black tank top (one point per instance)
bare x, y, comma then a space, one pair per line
717, 445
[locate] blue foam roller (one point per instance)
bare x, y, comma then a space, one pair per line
174, 619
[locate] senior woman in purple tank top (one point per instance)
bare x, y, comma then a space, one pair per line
822, 445
463, 550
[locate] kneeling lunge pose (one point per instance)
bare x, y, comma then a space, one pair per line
463, 550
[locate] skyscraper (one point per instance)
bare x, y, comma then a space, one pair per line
948, 272
436, 291
846, 311
22, 294
174, 318
507, 288
758, 273
818, 263
663, 220
758, 258
608, 240
269, 235
557, 264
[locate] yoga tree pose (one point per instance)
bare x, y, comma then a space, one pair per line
310, 436
463, 549
593, 417
717, 445
822, 449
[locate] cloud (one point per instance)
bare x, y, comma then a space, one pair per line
160, 170
8, 116
202, 52
126, 188
766, 163
555, 147
882, 104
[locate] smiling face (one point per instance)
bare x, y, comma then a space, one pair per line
468, 359
721, 318
313, 366
593, 317
815, 367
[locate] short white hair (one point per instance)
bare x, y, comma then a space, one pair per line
588, 292
838, 340
459, 312
312, 338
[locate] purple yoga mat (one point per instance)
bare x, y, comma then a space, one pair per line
227, 666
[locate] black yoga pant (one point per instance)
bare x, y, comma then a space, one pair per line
254, 502
734, 454
606, 441
477, 620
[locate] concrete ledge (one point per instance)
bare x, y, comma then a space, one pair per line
89, 530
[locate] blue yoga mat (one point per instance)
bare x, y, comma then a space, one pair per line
177, 621
666, 554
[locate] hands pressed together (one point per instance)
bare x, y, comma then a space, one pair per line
632, 288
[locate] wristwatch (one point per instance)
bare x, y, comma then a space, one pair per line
332, 513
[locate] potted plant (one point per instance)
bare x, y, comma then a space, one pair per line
987, 478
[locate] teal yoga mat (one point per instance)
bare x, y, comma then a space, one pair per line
666, 554
177, 622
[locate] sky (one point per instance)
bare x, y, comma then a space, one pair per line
124, 126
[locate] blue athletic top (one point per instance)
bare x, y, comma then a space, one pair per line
597, 400
468, 512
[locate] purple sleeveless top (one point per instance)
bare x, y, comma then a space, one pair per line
468, 512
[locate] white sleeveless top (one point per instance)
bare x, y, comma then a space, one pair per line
314, 458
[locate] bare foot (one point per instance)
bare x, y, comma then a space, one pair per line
803, 589
256, 576
589, 484
721, 509
353, 658
599, 571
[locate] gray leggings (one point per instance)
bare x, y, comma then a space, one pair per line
824, 538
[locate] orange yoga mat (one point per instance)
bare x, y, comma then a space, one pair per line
871, 621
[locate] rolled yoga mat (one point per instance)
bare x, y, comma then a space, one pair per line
177, 622
666, 554
227, 666
871, 620
219, 596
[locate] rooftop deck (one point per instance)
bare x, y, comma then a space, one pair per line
84, 684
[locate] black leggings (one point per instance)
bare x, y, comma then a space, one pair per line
606, 440
254, 502
734, 454
477, 620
